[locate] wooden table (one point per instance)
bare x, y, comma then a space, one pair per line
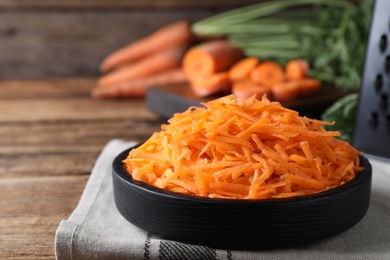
51, 133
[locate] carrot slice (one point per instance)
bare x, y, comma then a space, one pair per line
245, 89
268, 73
177, 33
209, 85
297, 69
243, 68
210, 58
308, 86
138, 87
284, 91
154, 63
255, 149
292, 89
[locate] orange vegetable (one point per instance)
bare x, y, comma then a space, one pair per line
292, 89
308, 86
244, 89
268, 73
138, 87
243, 68
284, 91
210, 58
297, 69
254, 149
209, 85
154, 63
177, 33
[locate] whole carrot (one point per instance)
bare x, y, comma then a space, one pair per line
151, 64
210, 58
177, 33
138, 87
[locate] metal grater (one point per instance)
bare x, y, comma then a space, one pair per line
372, 124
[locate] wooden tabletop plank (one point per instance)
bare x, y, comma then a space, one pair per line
47, 164
63, 148
63, 88
42, 195
64, 101
31, 210
27, 241
66, 136
71, 109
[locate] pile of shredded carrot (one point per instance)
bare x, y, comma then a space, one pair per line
254, 149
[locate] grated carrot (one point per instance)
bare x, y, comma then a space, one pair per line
252, 149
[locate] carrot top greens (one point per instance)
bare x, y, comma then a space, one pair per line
331, 34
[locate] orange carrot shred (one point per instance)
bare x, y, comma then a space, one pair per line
254, 149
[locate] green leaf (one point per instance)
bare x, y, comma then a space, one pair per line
343, 113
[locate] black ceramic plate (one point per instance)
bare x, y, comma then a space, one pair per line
241, 224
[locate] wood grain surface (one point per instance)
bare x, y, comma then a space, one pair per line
51, 133
55, 43
70, 38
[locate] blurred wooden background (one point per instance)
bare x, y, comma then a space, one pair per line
61, 38
56, 38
